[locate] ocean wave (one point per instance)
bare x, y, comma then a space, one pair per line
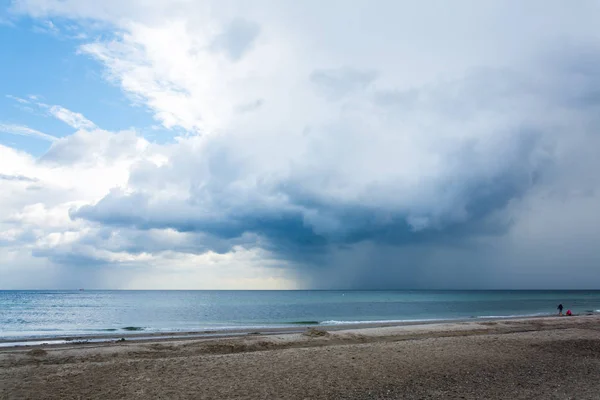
133, 328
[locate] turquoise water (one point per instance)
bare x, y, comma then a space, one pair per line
29, 314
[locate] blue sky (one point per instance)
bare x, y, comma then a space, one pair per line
45, 63
222, 145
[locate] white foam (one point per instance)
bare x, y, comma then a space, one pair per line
390, 321
399, 321
514, 316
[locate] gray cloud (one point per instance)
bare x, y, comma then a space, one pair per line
236, 39
18, 178
249, 107
71, 256
335, 84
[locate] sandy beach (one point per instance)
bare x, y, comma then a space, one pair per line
540, 358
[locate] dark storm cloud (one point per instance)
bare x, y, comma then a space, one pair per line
288, 232
71, 256
501, 138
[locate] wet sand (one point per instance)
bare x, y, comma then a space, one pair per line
541, 358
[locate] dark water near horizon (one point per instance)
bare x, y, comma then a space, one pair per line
29, 314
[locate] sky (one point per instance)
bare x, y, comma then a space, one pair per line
199, 144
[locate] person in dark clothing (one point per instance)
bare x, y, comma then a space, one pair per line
560, 308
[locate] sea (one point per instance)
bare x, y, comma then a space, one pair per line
55, 314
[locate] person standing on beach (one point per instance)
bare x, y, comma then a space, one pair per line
560, 308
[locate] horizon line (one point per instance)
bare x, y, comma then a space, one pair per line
296, 290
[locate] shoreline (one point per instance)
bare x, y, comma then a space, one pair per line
494, 359
228, 333
224, 332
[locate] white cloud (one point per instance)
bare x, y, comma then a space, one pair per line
47, 27
71, 118
22, 130
17, 99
